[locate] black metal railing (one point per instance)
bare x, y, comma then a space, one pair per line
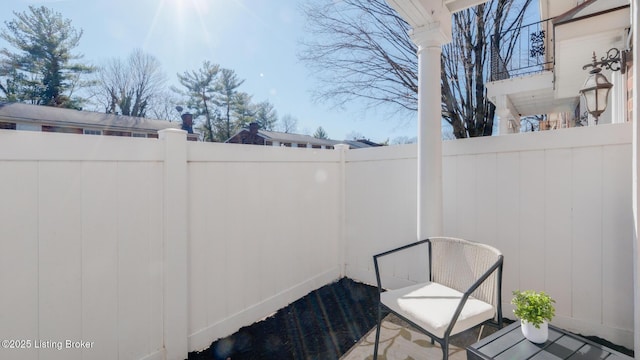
525, 50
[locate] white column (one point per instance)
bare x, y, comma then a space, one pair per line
506, 125
176, 313
506, 111
635, 13
429, 39
618, 97
342, 242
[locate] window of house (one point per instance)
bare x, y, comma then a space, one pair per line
7, 125
116, 133
139, 135
28, 127
61, 129
92, 132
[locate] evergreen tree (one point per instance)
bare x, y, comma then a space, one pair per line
212, 92
228, 84
41, 70
266, 116
200, 88
320, 133
243, 111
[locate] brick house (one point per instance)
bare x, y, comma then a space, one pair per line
19, 116
254, 136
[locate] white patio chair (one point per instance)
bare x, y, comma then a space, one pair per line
463, 291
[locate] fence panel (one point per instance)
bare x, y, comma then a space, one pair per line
557, 204
264, 231
91, 248
81, 249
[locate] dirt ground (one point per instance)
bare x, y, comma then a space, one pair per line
322, 325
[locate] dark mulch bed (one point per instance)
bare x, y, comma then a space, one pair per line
610, 345
322, 325
325, 324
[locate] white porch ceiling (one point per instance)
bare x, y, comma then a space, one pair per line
420, 12
553, 8
457, 5
541, 102
530, 95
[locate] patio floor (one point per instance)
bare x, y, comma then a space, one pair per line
336, 321
400, 341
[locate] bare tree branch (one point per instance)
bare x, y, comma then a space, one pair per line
360, 49
129, 87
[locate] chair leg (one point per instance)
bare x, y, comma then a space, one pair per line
480, 332
375, 346
445, 349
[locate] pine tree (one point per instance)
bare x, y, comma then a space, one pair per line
320, 133
41, 70
201, 87
266, 116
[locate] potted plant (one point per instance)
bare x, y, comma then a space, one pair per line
535, 310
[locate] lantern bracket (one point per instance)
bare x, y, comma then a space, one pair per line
614, 60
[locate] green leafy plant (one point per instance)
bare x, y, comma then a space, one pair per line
533, 307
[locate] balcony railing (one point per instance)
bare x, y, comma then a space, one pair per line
525, 50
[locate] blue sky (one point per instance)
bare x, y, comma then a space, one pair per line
256, 38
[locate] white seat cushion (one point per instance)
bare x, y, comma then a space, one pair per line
432, 305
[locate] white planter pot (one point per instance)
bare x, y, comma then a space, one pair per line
533, 334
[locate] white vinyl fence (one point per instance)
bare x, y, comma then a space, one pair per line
556, 203
81, 247
148, 249
120, 248
264, 228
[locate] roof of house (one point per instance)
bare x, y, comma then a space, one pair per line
360, 143
306, 139
68, 117
295, 138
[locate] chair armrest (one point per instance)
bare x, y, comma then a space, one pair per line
375, 258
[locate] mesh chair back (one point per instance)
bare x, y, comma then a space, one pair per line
458, 263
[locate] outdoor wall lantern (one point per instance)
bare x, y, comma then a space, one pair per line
596, 88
